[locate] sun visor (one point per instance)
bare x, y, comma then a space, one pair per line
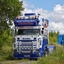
26, 22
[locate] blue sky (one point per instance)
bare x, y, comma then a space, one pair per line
45, 4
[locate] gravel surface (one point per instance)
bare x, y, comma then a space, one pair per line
24, 63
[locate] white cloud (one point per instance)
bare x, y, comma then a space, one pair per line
53, 26
56, 17
58, 8
42, 12
27, 5
27, 11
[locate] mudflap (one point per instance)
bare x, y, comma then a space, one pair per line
51, 48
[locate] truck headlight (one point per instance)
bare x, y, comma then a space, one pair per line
39, 40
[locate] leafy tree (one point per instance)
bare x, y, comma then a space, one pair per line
9, 9
53, 37
6, 38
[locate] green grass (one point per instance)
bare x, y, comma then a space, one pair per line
56, 58
6, 53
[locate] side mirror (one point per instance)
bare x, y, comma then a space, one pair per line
42, 32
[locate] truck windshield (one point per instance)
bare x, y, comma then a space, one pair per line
28, 31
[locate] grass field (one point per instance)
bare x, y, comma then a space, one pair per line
6, 53
56, 58
21, 61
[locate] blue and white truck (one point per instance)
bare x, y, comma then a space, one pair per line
31, 36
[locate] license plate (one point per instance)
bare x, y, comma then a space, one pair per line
26, 55
25, 51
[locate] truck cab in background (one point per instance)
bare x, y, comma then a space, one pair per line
61, 39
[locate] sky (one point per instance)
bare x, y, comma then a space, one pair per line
45, 4
53, 10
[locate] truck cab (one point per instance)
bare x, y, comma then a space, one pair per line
30, 37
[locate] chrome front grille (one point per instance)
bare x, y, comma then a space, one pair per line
26, 47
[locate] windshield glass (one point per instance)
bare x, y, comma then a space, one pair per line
28, 31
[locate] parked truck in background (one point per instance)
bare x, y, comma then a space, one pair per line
61, 39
